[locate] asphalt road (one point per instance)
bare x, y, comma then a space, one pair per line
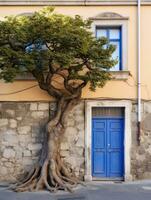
94, 191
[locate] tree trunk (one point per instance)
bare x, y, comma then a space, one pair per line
50, 172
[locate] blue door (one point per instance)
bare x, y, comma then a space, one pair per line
108, 148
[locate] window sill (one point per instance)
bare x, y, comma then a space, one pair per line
120, 75
26, 77
115, 75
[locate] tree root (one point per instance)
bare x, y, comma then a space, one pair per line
52, 176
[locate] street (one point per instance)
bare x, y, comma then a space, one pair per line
140, 190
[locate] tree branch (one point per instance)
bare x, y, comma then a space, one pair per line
50, 88
66, 79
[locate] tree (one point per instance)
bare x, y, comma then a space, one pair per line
52, 46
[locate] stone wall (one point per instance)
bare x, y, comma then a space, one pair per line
141, 154
22, 129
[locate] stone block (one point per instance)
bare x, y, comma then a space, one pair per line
33, 106
146, 125
35, 130
149, 149
19, 156
79, 119
141, 150
147, 107
24, 129
9, 153
4, 143
37, 114
80, 127
43, 106
4, 159
11, 137
24, 138
10, 113
140, 157
27, 161
79, 106
9, 106
11, 170
79, 112
71, 122
19, 118
13, 123
77, 151
34, 146
8, 164
71, 131
35, 153
3, 171
74, 161
27, 153
147, 175
3, 122
10, 132
134, 117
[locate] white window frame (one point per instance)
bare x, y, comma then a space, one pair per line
123, 23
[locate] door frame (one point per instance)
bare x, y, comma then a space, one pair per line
127, 105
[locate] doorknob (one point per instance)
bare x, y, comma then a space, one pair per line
109, 145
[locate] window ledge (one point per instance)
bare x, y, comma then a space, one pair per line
115, 75
25, 77
120, 75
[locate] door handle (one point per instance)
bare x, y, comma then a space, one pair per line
108, 145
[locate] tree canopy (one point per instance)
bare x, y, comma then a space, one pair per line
47, 45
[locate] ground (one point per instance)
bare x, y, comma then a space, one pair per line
140, 190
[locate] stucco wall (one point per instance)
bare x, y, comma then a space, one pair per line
113, 89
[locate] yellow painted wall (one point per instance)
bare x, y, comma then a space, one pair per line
113, 89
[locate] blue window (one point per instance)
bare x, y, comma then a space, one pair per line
114, 36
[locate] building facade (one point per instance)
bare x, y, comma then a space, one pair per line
108, 135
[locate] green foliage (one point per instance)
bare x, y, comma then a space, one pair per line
46, 42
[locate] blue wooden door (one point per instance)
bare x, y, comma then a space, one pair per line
108, 148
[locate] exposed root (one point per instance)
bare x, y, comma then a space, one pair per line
51, 173
30, 179
52, 176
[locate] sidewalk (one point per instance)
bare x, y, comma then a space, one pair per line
139, 190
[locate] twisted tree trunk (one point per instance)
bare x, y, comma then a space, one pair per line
50, 172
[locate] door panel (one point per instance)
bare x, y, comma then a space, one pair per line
99, 167
99, 147
108, 147
99, 140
